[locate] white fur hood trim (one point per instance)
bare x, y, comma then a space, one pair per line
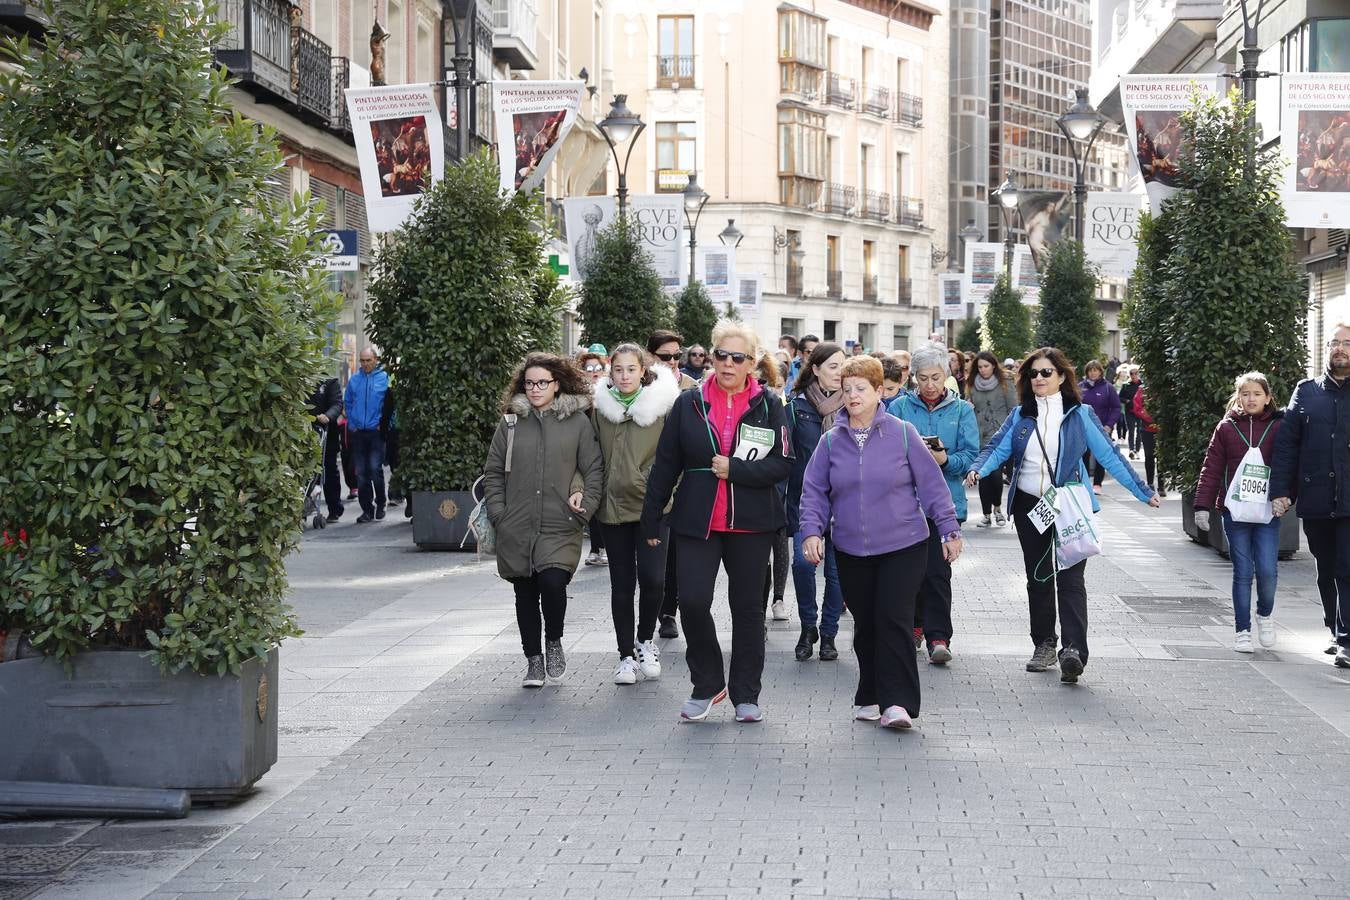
654, 402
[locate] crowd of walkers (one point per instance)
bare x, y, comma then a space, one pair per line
815, 459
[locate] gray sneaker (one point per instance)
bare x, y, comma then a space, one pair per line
555, 660
749, 713
695, 710
534, 675
1043, 659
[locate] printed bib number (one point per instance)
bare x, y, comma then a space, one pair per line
1043, 514
1254, 484
754, 443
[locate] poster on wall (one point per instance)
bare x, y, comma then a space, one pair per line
400, 146
1025, 277
717, 270
984, 263
748, 290
1110, 225
951, 290
1153, 105
658, 219
533, 117
1316, 134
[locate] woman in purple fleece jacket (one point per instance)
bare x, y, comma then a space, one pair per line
873, 484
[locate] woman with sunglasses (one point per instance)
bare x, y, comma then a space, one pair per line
695, 364
727, 446
665, 346
1046, 438
544, 444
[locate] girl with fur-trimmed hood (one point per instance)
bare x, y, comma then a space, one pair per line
630, 411
542, 480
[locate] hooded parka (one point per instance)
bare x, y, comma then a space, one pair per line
628, 437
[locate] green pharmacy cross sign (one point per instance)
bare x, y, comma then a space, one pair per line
556, 266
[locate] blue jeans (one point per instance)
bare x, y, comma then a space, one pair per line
804, 580
368, 450
1254, 550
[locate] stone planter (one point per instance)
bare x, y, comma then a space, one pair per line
116, 720
441, 520
1214, 537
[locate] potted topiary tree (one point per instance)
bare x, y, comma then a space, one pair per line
461, 292
162, 330
1005, 327
695, 314
622, 298
1068, 318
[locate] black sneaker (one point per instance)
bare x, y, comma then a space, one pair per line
1333, 648
1043, 658
1070, 666
668, 628
1343, 658
333, 517
555, 661
534, 675
363, 519
379, 513
828, 653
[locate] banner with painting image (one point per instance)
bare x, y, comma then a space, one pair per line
1316, 137
400, 146
1153, 105
533, 118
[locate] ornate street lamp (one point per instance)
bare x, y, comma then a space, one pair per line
969, 235
1080, 123
1008, 199
731, 236
622, 126
695, 198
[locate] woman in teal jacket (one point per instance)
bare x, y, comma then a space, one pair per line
948, 426
1046, 438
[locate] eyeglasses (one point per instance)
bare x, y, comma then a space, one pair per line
1042, 373
1333, 344
538, 385
724, 355
668, 357
696, 353
595, 367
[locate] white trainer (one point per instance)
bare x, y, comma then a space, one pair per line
779, 611
1243, 642
867, 713
627, 672
648, 659
1265, 631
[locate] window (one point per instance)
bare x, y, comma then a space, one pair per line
791, 326
867, 335
902, 259
676, 143
1331, 45
865, 165
831, 331
801, 37
396, 45
869, 258
866, 73
801, 143
832, 252
900, 337
675, 43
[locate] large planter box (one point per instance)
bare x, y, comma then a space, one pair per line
441, 520
116, 720
1214, 537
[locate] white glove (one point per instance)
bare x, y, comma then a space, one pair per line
1202, 519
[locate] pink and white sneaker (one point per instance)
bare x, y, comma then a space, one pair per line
895, 717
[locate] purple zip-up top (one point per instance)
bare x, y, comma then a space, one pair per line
876, 496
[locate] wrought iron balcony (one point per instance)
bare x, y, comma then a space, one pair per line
837, 198
876, 206
840, 91
673, 70
909, 211
876, 101
338, 119
905, 291
908, 110
870, 288
834, 285
312, 76
257, 48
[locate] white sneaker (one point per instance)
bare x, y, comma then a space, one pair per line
627, 672
1265, 631
648, 659
867, 713
602, 558
1243, 642
984, 522
779, 611
999, 518
593, 559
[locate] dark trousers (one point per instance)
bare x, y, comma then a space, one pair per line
933, 610
1096, 468
634, 566
597, 537
1133, 428
1329, 543
744, 557
880, 592
348, 459
368, 448
332, 481
776, 571
544, 591
1044, 587
1148, 441
670, 603
991, 491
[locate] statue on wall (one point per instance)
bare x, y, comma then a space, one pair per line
378, 37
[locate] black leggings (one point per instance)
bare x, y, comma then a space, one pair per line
634, 565
670, 603
776, 572
546, 589
991, 491
880, 592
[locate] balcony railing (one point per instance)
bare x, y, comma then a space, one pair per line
837, 198
876, 206
673, 70
834, 285
908, 110
905, 291
870, 288
338, 119
514, 27
909, 211
876, 101
312, 76
257, 48
794, 279
840, 91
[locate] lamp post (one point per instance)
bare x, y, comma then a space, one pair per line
622, 126
969, 235
1008, 197
460, 14
695, 198
731, 236
1080, 123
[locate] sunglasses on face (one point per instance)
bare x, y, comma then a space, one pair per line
595, 367
1042, 373
724, 355
696, 354
667, 357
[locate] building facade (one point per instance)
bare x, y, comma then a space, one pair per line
806, 124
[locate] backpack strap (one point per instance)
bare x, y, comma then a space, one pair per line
510, 419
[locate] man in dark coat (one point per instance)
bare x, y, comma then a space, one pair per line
325, 405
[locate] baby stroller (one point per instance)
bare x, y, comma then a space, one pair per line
314, 501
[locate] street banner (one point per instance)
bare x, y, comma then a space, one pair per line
1316, 133
717, 270
533, 117
1153, 105
400, 146
659, 223
1110, 224
951, 289
338, 249
748, 291
1047, 218
984, 263
1025, 277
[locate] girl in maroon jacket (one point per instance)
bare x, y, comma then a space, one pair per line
1250, 424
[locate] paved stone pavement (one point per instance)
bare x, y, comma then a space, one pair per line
414, 765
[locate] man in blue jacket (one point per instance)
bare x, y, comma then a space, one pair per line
1312, 466
365, 405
